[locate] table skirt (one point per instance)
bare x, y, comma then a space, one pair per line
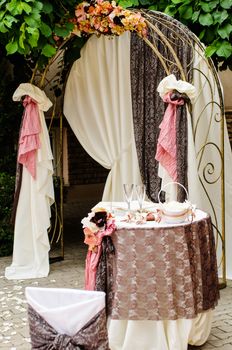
159, 335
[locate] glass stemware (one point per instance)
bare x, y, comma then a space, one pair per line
128, 193
140, 192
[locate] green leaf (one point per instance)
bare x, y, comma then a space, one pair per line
47, 7
38, 5
226, 4
135, 3
35, 14
11, 47
220, 16
206, 19
208, 6
11, 5
186, 12
3, 29
14, 8
9, 20
202, 34
34, 37
195, 16
31, 22
211, 49
61, 31
45, 29
2, 14
22, 36
70, 25
171, 10
225, 31
48, 50
27, 8
125, 3
177, 1
225, 49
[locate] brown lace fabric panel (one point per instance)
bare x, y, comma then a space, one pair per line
165, 273
104, 276
148, 108
93, 336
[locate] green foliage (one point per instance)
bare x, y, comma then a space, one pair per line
6, 198
37, 28
210, 20
29, 27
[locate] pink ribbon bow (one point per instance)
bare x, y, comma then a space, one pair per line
93, 255
166, 146
29, 140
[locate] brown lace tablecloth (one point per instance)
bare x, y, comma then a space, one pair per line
164, 272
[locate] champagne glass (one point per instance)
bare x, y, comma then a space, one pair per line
140, 192
128, 193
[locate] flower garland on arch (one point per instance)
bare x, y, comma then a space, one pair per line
105, 17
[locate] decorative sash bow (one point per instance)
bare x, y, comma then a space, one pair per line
166, 147
94, 252
175, 93
29, 140
93, 336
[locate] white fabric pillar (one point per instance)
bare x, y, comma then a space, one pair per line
31, 244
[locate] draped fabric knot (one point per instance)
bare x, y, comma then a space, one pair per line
62, 341
166, 146
29, 141
93, 256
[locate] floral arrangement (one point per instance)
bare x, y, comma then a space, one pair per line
105, 17
96, 225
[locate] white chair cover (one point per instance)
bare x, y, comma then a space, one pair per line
68, 312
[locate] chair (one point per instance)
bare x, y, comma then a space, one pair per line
61, 318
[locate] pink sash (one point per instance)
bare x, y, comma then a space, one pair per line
166, 146
29, 140
94, 254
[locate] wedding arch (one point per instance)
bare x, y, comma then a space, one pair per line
112, 105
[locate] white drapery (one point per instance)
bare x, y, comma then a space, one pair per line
97, 105
31, 244
208, 137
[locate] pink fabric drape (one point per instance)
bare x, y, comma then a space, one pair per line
166, 146
93, 256
29, 140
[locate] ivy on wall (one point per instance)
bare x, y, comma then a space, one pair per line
37, 28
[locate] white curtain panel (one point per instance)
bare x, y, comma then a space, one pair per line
207, 132
31, 244
97, 105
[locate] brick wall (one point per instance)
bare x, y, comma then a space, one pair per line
81, 167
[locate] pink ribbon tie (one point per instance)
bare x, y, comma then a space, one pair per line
29, 140
93, 257
166, 146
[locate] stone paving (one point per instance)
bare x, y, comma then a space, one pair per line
69, 273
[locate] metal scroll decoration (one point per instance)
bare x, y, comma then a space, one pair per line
210, 152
